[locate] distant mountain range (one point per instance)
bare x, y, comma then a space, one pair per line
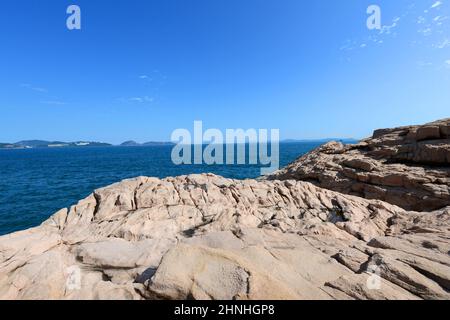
32, 144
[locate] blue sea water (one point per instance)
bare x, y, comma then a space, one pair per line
35, 183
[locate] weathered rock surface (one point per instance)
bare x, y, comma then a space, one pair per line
407, 166
207, 237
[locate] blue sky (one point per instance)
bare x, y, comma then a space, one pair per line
141, 69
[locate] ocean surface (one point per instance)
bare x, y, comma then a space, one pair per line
35, 183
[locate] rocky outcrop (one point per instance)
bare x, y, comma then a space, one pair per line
407, 166
207, 237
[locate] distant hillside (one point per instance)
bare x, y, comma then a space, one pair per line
33, 143
7, 146
130, 143
90, 144
30, 144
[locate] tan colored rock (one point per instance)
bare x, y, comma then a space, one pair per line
353, 259
356, 286
408, 278
428, 133
407, 166
207, 237
121, 254
274, 267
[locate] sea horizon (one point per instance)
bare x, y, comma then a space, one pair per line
48, 179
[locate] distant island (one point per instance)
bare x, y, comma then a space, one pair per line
35, 144
39, 144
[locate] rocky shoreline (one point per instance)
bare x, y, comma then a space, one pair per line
407, 166
365, 221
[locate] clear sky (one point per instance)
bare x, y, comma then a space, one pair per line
140, 69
